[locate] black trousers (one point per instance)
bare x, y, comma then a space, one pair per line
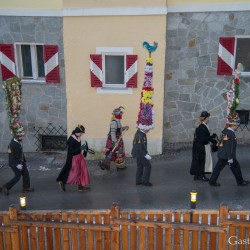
235, 168
18, 173
143, 170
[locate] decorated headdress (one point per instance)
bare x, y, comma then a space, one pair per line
146, 113
117, 111
233, 119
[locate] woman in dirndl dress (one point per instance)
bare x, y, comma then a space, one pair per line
75, 170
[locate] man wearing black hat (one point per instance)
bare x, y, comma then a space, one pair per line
227, 153
201, 152
17, 162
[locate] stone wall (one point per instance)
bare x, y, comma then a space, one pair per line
41, 103
191, 80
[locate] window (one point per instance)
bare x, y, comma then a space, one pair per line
243, 54
233, 50
32, 62
113, 68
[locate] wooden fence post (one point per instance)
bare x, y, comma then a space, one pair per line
115, 214
15, 241
223, 216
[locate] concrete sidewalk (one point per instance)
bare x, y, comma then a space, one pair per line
170, 176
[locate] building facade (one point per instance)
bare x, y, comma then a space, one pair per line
194, 77
31, 47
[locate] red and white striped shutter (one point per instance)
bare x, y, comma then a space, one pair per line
226, 56
51, 64
7, 60
131, 71
96, 74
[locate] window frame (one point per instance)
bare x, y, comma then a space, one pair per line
116, 86
107, 88
34, 63
247, 74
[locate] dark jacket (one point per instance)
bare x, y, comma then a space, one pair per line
201, 138
227, 145
139, 144
15, 152
74, 148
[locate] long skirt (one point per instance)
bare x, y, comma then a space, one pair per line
79, 172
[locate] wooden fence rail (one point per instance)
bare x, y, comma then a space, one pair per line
116, 229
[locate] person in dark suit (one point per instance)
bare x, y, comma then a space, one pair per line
201, 151
227, 153
17, 162
139, 151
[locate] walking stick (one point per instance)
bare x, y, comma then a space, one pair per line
105, 164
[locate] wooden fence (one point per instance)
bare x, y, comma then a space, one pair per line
115, 229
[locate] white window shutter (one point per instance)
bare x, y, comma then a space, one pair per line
7, 60
131, 71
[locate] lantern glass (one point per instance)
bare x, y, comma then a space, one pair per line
193, 196
22, 201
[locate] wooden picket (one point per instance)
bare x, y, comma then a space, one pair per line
118, 229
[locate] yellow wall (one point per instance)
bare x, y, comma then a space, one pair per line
81, 37
112, 3
31, 4
186, 2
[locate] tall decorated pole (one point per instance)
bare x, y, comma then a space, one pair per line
13, 98
233, 95
146, 113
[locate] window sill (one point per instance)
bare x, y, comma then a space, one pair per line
25, 81
243, 74
121, 91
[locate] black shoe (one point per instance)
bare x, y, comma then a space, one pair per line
204, 178
100, 165
62, 186
200, 178
244, 183
216, 184
83, 188
119, 169
148, 184
139, 183
28, 190
5, 190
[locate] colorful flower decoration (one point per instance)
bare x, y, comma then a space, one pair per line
13, 97
233, 94
146, 113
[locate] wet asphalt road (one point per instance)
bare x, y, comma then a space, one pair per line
171, 186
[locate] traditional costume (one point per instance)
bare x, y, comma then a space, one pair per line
17, 162
227, 153
201, 152
140, 152
145, 122
114, 142
75, 170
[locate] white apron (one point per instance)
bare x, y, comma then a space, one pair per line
209, 160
